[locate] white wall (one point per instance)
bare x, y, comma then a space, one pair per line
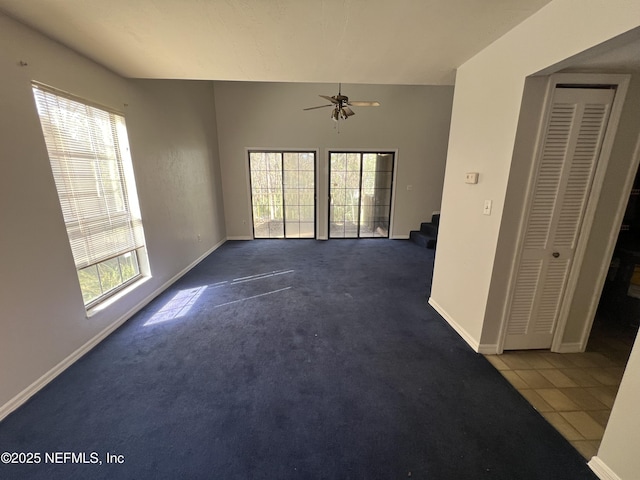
413, 119
486, 107
172, 136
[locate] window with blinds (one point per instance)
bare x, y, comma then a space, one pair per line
89, 154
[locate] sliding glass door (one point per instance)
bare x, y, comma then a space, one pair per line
283, 194
360, 186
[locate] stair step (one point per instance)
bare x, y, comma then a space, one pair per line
419, 238
429, 229
428, 233
423, 239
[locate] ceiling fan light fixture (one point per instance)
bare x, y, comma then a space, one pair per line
341, 105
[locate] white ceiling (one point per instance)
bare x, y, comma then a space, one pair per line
620, 54
417, 42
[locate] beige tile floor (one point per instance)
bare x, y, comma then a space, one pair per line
573, 391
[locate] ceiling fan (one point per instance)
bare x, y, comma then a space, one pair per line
341, 104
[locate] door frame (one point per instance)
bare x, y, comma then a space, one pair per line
329, 151
621, 82
317, 176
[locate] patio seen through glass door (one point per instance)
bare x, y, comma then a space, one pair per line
360, 186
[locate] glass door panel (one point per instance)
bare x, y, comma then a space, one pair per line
266, 194
360, 194
299, 188
377, 174
344, 195
283, 194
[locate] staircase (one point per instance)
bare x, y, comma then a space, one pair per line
428, 233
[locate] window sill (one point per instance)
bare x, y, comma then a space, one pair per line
117, 296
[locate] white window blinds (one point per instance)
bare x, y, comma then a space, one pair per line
89, 155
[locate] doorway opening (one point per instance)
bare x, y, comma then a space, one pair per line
618, 314
360, 191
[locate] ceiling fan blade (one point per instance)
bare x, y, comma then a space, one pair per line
320, 106
356, 103
331, 99
348, 112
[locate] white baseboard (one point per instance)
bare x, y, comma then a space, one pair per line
32, 389
602, 470
488, 349
456, 326
241, 237
575, 347
400, 237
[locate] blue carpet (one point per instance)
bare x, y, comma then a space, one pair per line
289, 359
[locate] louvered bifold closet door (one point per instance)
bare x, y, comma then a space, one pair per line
572, 143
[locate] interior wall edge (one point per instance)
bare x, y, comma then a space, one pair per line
466, 336
601, 469
489, 349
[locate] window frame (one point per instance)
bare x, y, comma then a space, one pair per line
103, 222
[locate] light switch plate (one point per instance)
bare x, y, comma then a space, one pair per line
487, 207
